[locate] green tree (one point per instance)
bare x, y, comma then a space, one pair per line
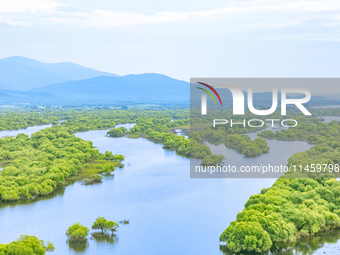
103, 224
213, 160
248, 236
26, 245
100, 223
77, 233
119, 157
117, 132
112, 226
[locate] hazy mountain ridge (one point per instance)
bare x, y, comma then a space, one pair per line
68, 83
22, 97
19, 73
139, 88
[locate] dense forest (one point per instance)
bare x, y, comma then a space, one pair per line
292, 208
299, 203
35, 165
12, 120
305, 245
84, 119
163, 121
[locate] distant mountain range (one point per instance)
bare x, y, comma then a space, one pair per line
8, 97
19, 73
27, 81
133, 88
24, 80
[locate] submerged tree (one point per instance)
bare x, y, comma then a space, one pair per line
99, 223
77, 233
112, 226
103, 224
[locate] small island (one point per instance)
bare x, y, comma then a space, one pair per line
35, 166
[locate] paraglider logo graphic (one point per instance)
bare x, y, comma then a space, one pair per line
204, 97
208, 92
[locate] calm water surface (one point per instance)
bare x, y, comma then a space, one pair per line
330, 118
27, 131
169, 213
327, 106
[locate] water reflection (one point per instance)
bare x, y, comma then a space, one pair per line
27, 131
304, 246
59, 191
98, 237
78, 247
108, 176
327, 119
102, 237
181, 132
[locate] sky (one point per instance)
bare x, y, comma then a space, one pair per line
178, 38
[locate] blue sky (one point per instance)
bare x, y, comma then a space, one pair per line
182, 39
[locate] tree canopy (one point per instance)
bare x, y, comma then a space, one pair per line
77, 232
26, 245
103, 224
295, 205
36, 165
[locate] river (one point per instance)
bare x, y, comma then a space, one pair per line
169, 212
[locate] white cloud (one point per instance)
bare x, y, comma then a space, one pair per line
28, 6
116, 18
262, 12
